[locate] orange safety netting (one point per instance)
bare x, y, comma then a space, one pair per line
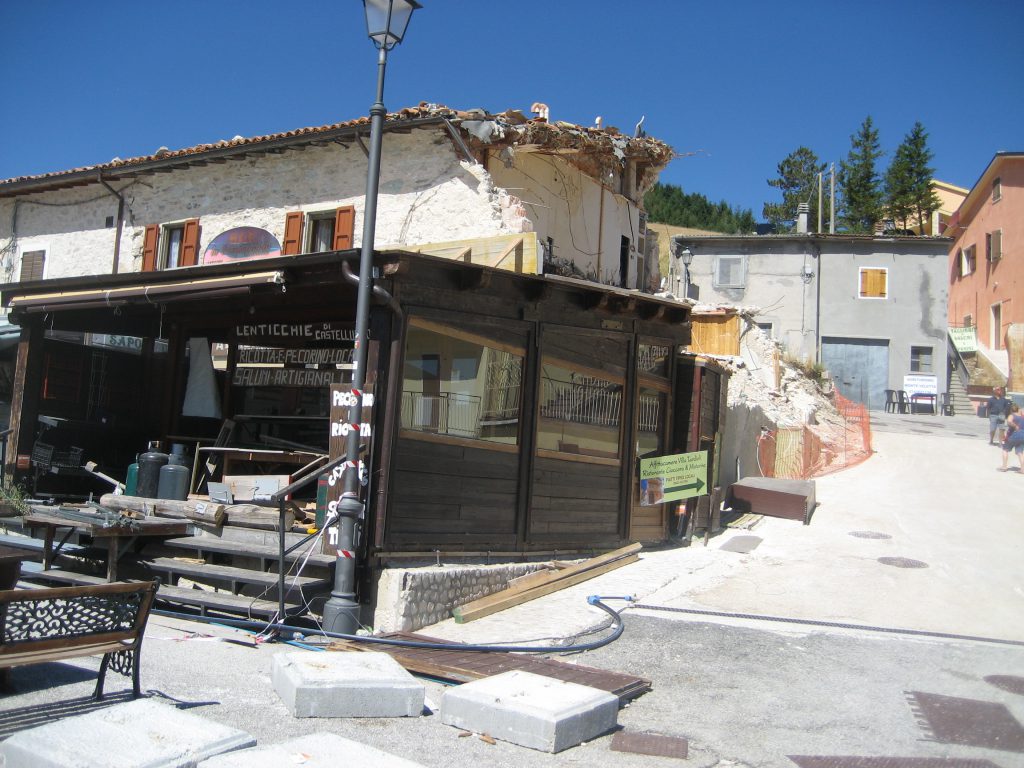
804, 452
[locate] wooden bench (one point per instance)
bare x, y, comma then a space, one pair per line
40, 625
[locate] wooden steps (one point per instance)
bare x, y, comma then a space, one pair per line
219, 602
33, 572
266, 554
208, 572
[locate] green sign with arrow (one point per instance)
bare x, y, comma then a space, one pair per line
673, 478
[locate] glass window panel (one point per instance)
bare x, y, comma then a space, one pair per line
580, 412
650, 426
322, 236
456, 384
174, 236
653, 360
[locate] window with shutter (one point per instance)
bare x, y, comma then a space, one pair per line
997, 245
729, 272
874, 283
344, 228
150, 243
189, 256
32, 265
293, 226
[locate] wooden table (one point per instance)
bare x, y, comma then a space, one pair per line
50, 522
918, 398
10, 565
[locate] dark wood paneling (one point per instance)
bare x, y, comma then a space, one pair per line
575, 498
452, 496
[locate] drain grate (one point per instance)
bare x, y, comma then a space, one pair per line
1008, 683
971, 722
902, 562
650, 744
870, 535
840, 761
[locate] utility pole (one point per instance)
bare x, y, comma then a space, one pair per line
819, 202
832, 199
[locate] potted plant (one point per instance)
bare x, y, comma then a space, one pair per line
12, 500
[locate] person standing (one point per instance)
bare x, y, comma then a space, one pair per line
997, 407
1014, 438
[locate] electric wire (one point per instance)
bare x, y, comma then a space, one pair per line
594, 600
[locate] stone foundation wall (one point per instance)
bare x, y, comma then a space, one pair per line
411, 598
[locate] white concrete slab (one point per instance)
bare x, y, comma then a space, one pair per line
144, 733
338, 684
531, 710
316, 750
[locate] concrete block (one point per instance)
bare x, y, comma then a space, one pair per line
144, 733
335, 684
317, 750
531, 710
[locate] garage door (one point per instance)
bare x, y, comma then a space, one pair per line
859, 367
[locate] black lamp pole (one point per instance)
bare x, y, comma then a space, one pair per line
386, 22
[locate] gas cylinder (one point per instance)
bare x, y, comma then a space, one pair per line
149, 473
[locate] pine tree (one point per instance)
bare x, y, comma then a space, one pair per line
859, 183
669, 204
899, 198
798, 180
923, 197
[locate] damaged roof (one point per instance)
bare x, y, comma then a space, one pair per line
595, 150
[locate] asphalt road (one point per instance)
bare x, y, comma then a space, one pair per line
741, 691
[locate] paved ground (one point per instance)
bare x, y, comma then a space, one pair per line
741, 691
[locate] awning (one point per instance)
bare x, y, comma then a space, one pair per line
143, 293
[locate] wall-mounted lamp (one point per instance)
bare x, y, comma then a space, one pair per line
808, 273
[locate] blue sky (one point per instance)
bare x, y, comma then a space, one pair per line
732, 86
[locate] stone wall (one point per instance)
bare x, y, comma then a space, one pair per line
410, 598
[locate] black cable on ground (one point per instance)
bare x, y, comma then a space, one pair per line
831, 624
594, 600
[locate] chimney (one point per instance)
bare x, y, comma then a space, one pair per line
801, 218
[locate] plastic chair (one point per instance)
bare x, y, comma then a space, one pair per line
902, 402
890, 401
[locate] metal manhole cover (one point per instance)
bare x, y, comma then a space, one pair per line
952, 720
650, 744
1008, 683
870, 535
902, 562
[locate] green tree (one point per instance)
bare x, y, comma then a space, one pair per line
669, 204
798, 180
910, 195
860, 185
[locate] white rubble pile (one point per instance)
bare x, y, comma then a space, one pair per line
798, 400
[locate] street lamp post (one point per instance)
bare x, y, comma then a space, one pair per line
686, 256
386, 22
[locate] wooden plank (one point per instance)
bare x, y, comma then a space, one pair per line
221, 573
222, 602
245, 549
566, 577
462, 666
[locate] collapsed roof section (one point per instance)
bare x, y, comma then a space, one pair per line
595, 151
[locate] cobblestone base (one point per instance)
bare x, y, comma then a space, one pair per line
410, 598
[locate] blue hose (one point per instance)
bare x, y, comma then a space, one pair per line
594, 600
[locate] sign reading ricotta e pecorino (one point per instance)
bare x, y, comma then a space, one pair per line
292, 354
673, 478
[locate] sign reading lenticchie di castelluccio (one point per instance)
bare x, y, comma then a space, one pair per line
965, 338
673, 478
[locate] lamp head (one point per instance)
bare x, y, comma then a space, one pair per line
687, 256
387, 20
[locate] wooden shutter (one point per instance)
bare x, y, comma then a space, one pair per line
293, 223
189, 244
32, 265
344, 228
873, 283
997, 245
149, 247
